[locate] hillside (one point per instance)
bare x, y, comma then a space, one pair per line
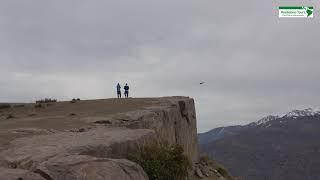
93, 139
275, 147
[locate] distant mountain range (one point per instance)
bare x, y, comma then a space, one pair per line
273, 148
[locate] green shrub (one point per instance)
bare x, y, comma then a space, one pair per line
162, 161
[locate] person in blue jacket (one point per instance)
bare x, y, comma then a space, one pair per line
126, 90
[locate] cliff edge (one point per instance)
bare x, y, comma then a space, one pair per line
91, 139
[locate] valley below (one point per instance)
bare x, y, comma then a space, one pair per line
273, 148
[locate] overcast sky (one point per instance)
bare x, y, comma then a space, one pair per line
254, 64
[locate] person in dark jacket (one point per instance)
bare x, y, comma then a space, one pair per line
126, 90
118, 90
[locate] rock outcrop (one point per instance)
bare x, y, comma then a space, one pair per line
18, 174
173, 119
97, 149
28, 153
88, 167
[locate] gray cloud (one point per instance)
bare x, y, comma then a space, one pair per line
253, 63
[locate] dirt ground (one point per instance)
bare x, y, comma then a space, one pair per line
61, 116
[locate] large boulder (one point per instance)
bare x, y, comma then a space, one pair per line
84, 167
18, 174
27, 153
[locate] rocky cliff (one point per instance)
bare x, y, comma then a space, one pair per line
91, 139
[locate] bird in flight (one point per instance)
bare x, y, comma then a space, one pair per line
202, 83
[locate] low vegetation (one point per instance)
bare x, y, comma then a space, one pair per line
222, 170
5, 106
162, 161
74, 100
38, 106
18, 105
46, 100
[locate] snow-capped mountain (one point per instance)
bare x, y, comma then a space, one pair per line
267, 119
292, 114
274, 147
300, 113
266, 122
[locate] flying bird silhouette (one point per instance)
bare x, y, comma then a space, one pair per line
202, 83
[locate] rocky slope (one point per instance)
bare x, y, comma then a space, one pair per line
91, 139
275, 147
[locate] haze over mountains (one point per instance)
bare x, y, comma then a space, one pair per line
274, 147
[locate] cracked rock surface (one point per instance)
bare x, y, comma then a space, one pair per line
48, 143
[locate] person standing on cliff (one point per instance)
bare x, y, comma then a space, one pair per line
126, 90
118, 90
